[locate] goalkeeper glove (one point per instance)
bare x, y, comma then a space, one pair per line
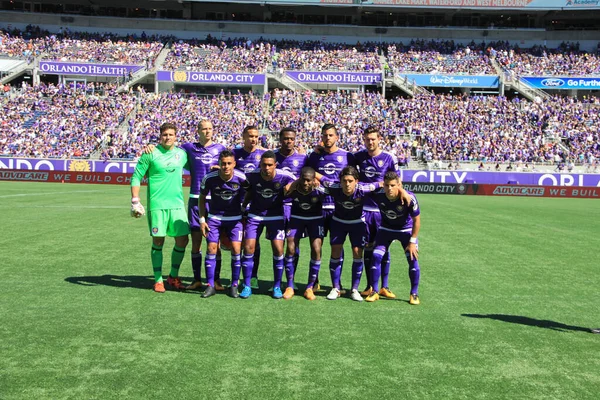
137, 209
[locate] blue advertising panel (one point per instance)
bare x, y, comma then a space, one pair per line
556, 82
444, 80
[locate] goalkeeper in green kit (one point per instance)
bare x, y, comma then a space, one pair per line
167, 215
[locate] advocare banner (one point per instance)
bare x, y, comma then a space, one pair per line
211, 77
67, 68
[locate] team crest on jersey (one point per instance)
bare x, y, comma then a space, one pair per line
357, 200
295, 162
234, 186
314, 199
155, 230
257, 157
399, 208
380, 163
340, 158
277, 185
177, 156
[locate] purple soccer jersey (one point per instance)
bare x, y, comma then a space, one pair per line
292, 163
348, 208
306, 214
373, 169
394, 215
247, 162
267, 195
330, 165
226, 195
201, 159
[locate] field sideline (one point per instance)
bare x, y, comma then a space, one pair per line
509, 291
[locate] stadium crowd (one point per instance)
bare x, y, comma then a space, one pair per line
54, 121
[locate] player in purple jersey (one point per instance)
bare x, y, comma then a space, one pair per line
290, 160
247, 159
398, 222
373, 163
329, 161
347, 220
225, 216
306, 216
203, 157
266, 192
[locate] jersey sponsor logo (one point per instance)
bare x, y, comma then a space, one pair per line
348, 205
206, 158
267, 193
249, 167
329, 168
305, 206
370, 171
288, 169
226, 194
391, 214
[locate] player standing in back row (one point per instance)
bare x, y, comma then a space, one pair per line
166, 209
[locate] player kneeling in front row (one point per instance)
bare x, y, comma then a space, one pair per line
224, 217
401, 223
166, 210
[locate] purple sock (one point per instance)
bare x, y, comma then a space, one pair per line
247, 265
385, 270
313, 273
357, 269
209, 264
375, 270
290, 271
256, 261
218, 267
277, 271
197, 265
335, 270
414, 273
296, 259
368, 257
236, 267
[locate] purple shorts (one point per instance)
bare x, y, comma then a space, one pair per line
386, 237
373, 221
297, 228
287, 213
357, 233
254, 226
194, 213
234, 229
327, 214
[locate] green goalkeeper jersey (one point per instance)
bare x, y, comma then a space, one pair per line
165, 182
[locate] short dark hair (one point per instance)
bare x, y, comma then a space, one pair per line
390, 176
225, 153
371, 129
307, 170
349, 170
327, 127
168, 125
284, 130
249, 128
268, 154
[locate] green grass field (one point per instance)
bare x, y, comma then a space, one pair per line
509, 291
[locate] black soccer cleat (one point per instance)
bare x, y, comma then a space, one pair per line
210, 291
233, 292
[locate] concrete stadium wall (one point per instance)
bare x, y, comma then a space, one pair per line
332, 33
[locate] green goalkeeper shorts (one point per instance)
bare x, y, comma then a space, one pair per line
170, 222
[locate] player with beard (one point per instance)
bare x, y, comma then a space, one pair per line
247, 159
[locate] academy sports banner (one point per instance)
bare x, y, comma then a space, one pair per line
443, 80
555, 82
336, 78
418, 176
210, 77
66, 68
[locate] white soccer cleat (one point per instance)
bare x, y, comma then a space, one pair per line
355, 295
334, 294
